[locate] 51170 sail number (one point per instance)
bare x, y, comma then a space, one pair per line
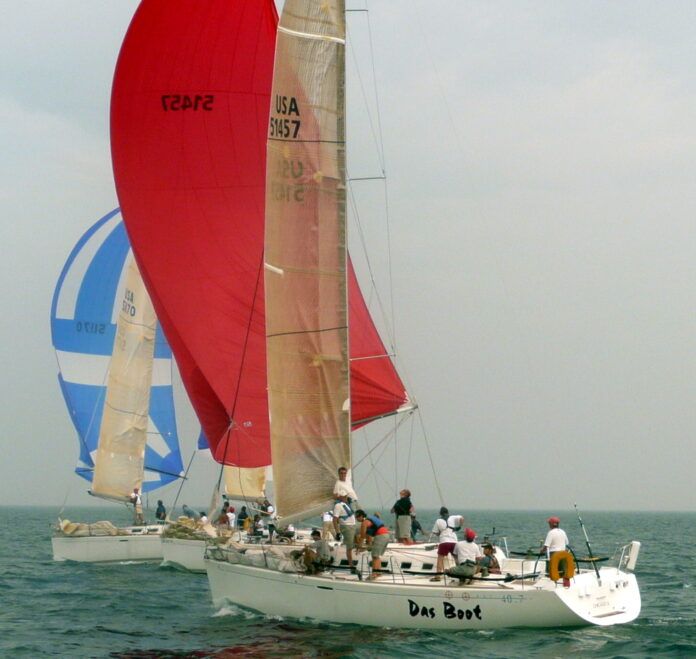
180, 102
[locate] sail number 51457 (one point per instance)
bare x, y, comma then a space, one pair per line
179, 102
284, 127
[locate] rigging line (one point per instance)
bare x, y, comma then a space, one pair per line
511, 309
430, 457
183, 480
440, 88
369, 454
378, 473
83, 440
374, 290
375, 133
67, 493
460, 147
380, 150
386, 436
386, 185
241, 370
384, 449
410, 448
376, 89
396, 464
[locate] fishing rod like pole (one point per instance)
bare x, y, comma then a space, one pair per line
587, 541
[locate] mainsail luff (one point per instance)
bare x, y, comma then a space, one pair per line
306, 258
123, 433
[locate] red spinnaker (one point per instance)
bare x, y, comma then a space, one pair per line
189, 117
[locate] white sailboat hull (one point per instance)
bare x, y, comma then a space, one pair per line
136, 546
417, 603
183, 554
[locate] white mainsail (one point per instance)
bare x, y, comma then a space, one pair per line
306, 260
123, 432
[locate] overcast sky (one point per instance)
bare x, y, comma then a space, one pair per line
540, 159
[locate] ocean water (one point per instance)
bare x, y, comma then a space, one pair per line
130, 610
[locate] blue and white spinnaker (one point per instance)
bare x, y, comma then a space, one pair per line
84, 312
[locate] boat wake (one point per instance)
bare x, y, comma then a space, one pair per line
236, 611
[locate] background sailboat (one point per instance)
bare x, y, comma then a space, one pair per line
123, 413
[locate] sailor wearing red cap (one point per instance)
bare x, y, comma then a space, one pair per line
467, 549
468, 555
556, 538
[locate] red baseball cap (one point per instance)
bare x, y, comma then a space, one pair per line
469, 534
554, 520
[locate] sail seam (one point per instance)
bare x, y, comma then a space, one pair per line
280, 139
309, 35
311, 331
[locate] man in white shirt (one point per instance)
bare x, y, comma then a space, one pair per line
445, 530
231, 518
137, 502
556, 538
468, 555
343, 486
344, 523
268, 514
467, 549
